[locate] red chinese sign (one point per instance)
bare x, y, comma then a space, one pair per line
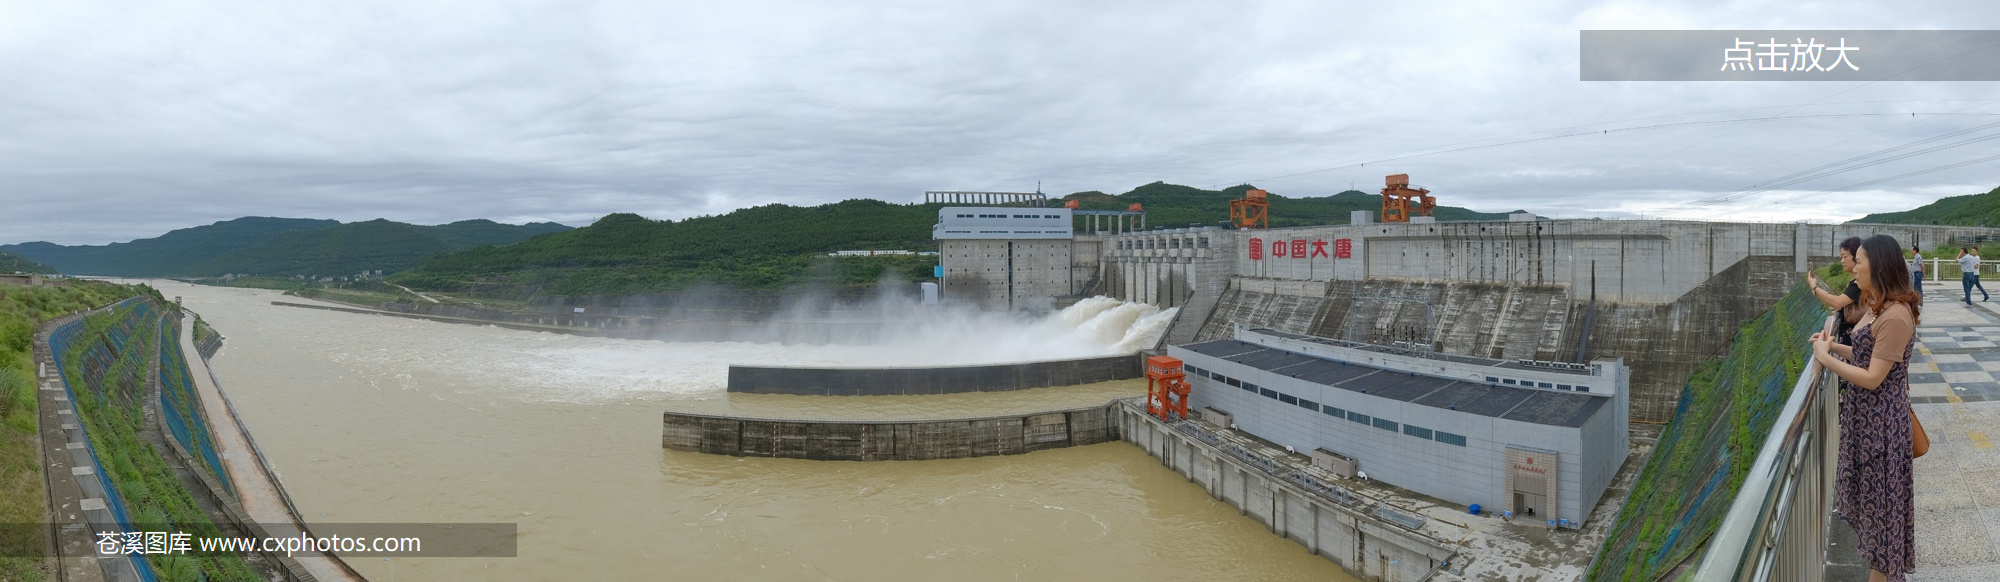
1299, 248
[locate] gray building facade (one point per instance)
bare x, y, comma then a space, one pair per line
1508, 435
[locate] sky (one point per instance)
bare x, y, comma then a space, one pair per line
123, 120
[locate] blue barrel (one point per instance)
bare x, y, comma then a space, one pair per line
1473, 510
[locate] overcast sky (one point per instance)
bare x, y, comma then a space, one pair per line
125, 120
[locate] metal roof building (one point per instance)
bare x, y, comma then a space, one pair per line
1506, 435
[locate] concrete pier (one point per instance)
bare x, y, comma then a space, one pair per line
1295, 503
899, 440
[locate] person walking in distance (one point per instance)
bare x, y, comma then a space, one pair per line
1917, 270
1873, 487
1968, 263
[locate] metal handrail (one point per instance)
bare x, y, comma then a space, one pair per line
1776, 528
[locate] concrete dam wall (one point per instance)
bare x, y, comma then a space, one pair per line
889, 440
935, 380
1663, 295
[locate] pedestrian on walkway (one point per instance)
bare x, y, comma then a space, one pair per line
1917, 270
1968, 263
1873, 488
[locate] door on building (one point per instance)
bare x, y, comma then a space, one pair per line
1530, 495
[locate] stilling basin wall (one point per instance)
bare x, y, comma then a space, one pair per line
908, 440
942, 380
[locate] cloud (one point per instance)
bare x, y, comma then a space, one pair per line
124, 121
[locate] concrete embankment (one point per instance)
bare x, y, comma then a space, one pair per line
902, 440
934, 380
1295, 503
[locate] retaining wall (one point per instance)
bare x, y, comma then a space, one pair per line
889, 440
940, 380
1347, 534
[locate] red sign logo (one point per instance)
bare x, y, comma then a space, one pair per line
1298, 248
1277, 248
1343, 248
1256, 249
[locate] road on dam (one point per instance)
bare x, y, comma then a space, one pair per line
390, 420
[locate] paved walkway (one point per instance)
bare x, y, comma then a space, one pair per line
255, 489
1955, 389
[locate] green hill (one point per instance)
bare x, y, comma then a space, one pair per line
10, 263
1967, 210
167, 254
278, 246
360, 246
773, 246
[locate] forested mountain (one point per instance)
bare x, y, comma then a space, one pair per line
279, 246
777, 245
168, 254
10, 262
1967, 210
364, 246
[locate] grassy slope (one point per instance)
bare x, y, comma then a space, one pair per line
1967, 210
22, 311
1726, 411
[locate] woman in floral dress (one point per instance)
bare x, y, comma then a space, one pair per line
1874, 478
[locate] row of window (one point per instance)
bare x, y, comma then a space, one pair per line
1330, 410
1532, 384
1171, 243
1056, 216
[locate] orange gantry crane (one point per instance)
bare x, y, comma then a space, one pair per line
1253, 211
1166, 388
1400, 201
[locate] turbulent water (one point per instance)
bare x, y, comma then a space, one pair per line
381, 419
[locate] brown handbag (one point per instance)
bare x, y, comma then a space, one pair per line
1920, 442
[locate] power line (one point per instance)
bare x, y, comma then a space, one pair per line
1890, 178
1838, 167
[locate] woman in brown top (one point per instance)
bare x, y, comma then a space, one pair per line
1873, 488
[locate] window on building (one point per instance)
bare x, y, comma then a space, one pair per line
1562, 386
1416, 431
1449, 439
1308, 404
1288, 399
1358, 417
1268, 393
1331, 411
1582, 388
1231, 381
1388, 425
1492, 380
1507, 381
1543, 385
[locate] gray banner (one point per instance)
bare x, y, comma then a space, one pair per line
1789, 55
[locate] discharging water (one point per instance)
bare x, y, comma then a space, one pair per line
382, 419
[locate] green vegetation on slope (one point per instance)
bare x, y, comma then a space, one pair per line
10, 263
108, 378
22, 501
1967, 210
763, 247
351, 248
168, 254
1697, 465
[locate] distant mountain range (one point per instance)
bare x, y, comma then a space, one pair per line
278, 246
1967, 210
778, 245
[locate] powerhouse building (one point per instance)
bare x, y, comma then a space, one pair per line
1007, 258
1512, 435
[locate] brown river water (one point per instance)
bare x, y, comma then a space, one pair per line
380, 419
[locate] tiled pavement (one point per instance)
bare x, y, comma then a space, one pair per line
1955, 389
